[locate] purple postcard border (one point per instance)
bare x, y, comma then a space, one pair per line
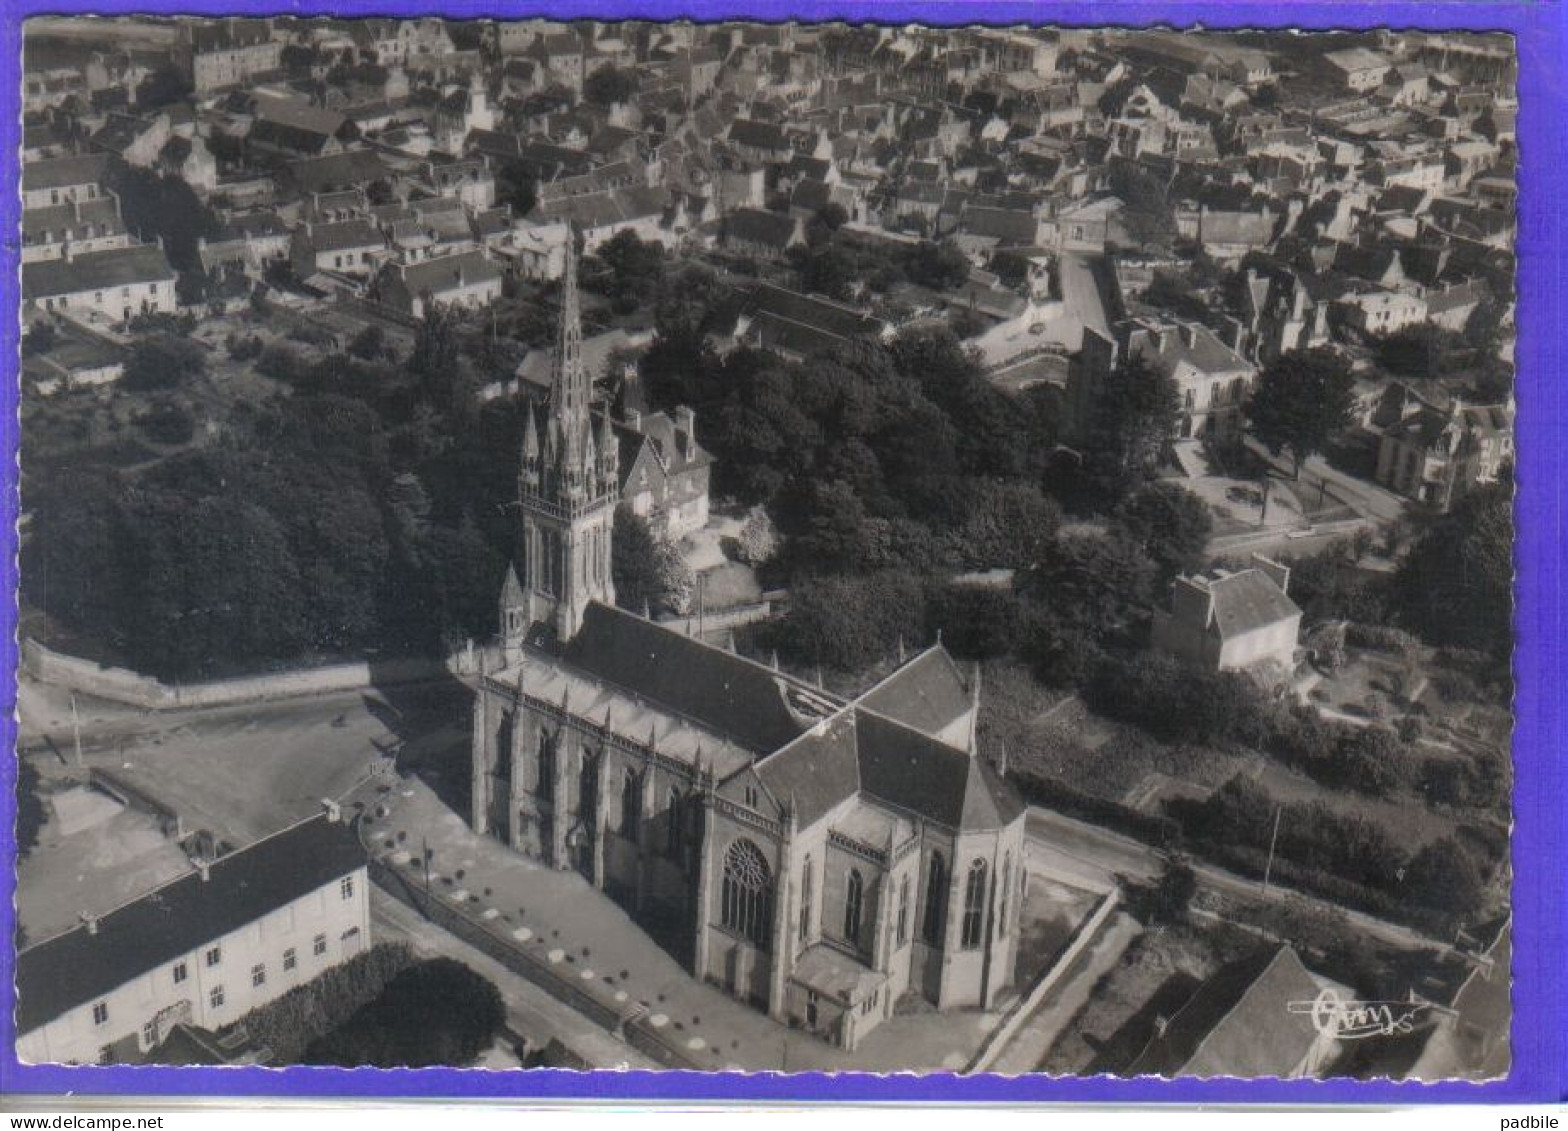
1540, 1033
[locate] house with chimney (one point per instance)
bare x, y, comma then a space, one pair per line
1436, 454
464, 279
203, 950
1252, 1018
664, 470
115, 285
1212, 379
1241, 620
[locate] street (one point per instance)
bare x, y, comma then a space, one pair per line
530, 1010
1091, 850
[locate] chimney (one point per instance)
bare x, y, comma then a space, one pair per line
1277, 573
333, 812
686, 422
204, 869
89, 920
634, 419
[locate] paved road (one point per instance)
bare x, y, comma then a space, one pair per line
1368, 498
530, 1011
1094, 848
1034, 1039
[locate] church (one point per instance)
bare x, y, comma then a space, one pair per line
815, 855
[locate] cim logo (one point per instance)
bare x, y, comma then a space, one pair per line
1333, 1016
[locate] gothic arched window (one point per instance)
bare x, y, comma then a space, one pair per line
854, 898
588, 785
805, 900
748, 893
545, 787
673, 816
903, 910
631, 805
1003, 892
935, 921
974, 905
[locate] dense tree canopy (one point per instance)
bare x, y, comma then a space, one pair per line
1302, 400
1456, 582
438, 1012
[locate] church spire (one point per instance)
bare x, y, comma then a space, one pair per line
573, 387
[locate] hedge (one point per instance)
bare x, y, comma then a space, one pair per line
288, 1024
1053, 793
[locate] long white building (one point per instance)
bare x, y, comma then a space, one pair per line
204, 949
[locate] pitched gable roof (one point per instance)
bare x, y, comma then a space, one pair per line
1248, 600
928, 693
71, 969
920, 774
738, 698
1237, 1023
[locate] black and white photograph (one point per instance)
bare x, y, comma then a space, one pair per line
766, 547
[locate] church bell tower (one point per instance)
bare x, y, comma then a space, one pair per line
566, 493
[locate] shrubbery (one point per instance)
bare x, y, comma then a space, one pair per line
437, 1012
288, 1024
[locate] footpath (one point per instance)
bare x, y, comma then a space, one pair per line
587, 950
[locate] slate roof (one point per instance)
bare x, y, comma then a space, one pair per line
820, 314
720, 690
919, 774
345, 234
448, 272
758, 135
62, 218
97, 270
1168, 345
79, 966
928, 693
1237, 1023
355, 167
816, 772
1245, 601
754, 225
64, 172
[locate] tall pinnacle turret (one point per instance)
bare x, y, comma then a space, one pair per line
566, 493
572, 385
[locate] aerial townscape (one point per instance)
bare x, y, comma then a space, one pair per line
765, 547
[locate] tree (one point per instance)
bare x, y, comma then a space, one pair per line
163, 207
1094, 582
940, 266
608, 86
649, 572
1148, 219
849, 622
1302, 400
438, 1012
1010, 267
1010, 526
161, 87
370, 344
1136, 410
1455, 585
1443, 875
1172, 525
626, 270
30, 814
976, 621
516, 187
758, 540
824, 270
164, 362
1168, 901
40, 338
